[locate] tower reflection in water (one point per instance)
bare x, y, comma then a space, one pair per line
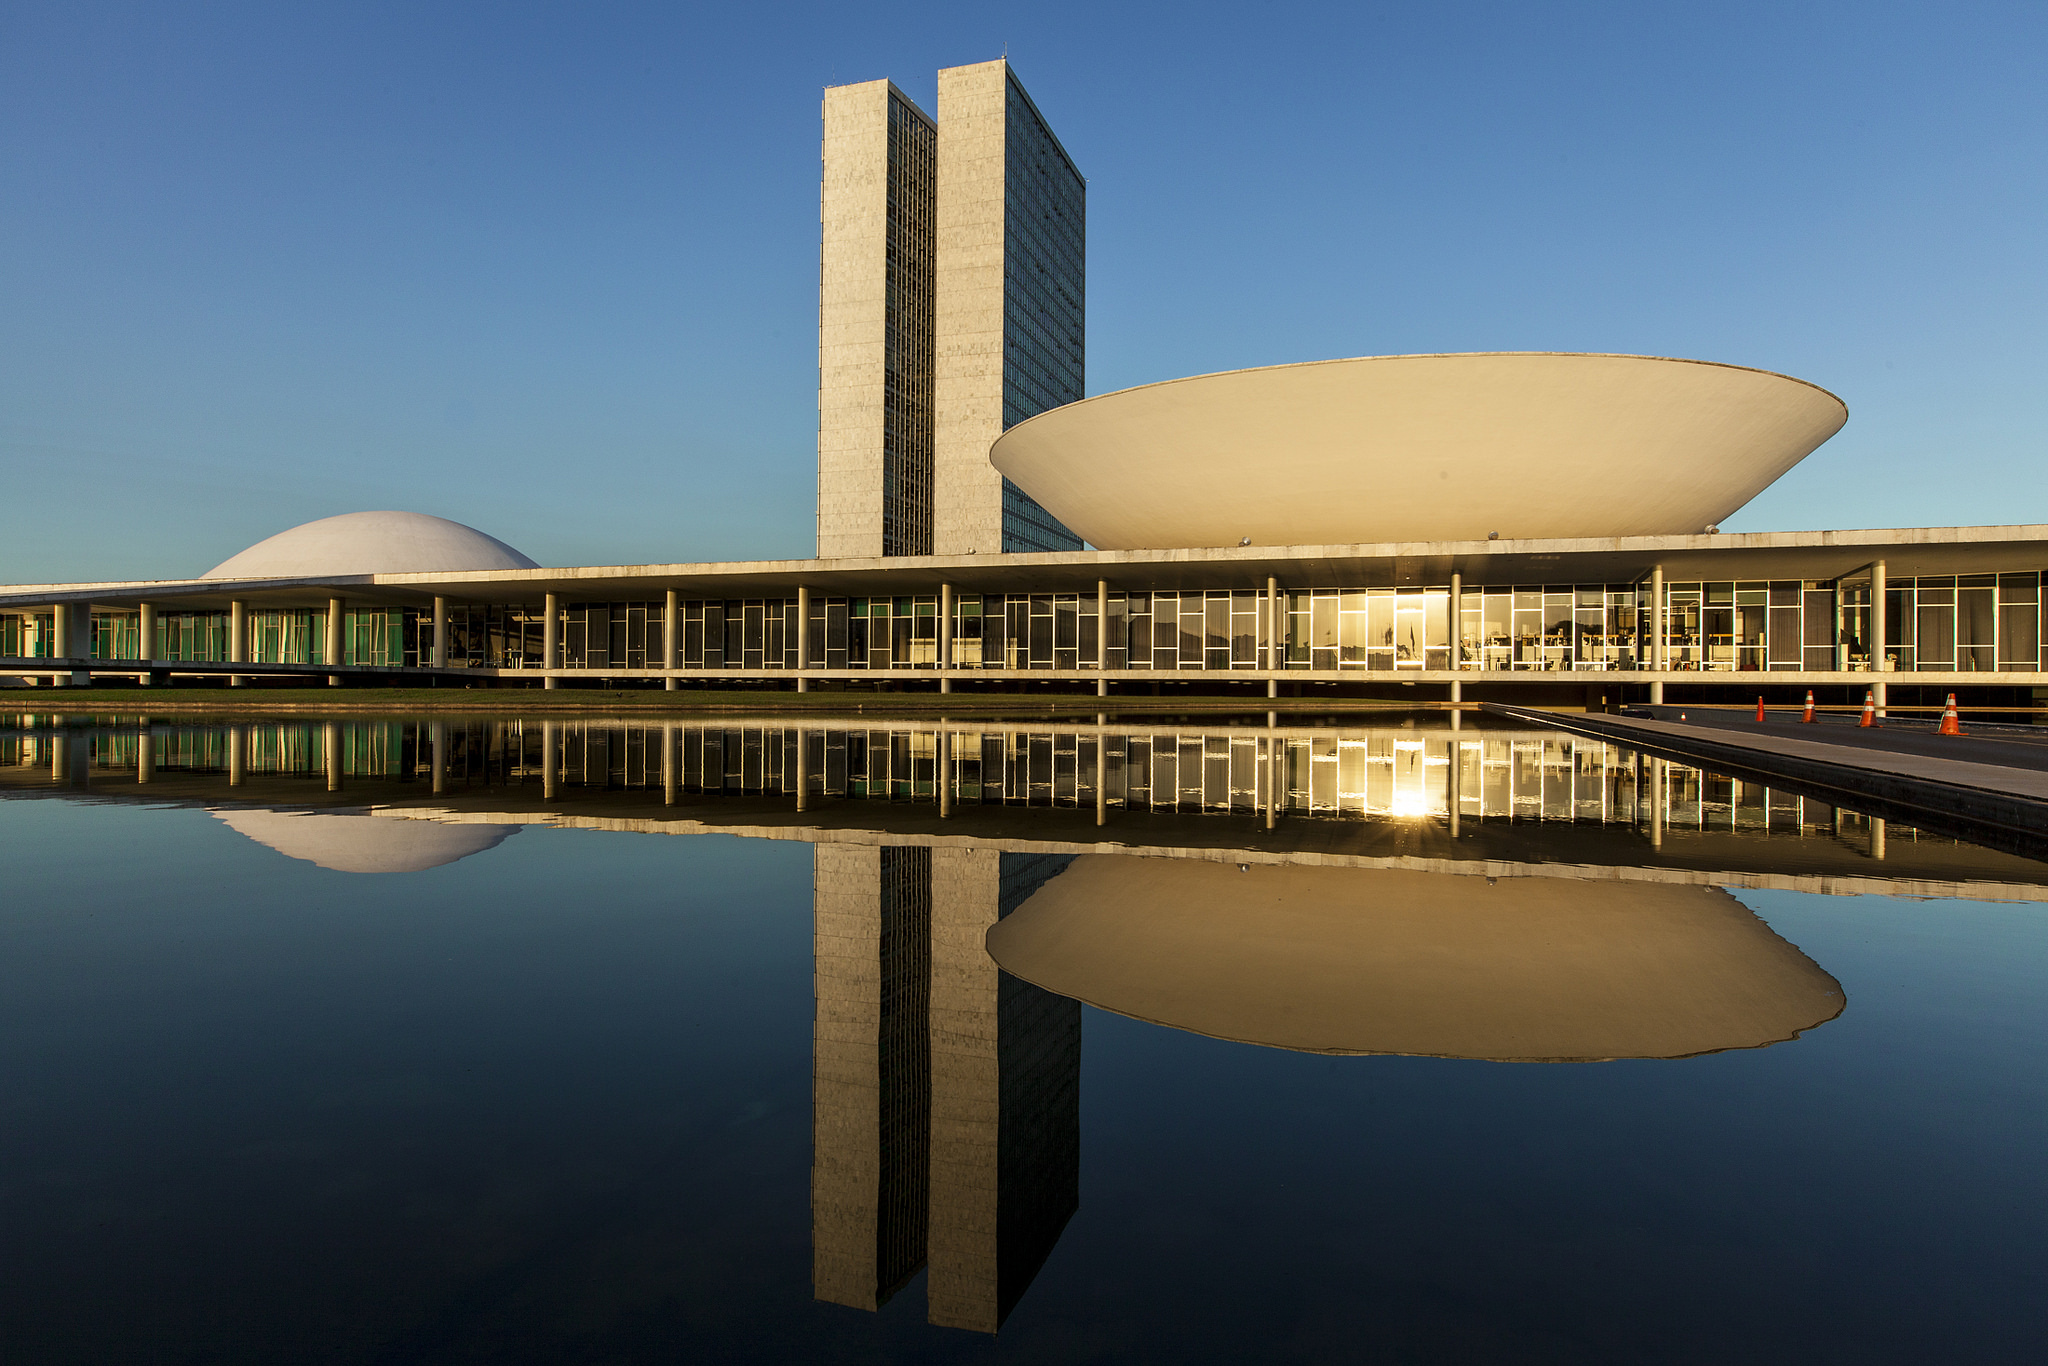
946, 1119
1494, 896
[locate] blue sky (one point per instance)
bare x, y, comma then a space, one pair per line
551, 270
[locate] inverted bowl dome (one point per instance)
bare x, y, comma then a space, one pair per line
357, 842
1418, 448
1351, 960
371, 543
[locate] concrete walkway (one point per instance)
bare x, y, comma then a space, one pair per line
1936, 781
2002, 749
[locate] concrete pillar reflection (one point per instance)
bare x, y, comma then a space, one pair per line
330, 751
1454, 779
440, 656
803, 768
437, 734
942, 747
337, 620
1877, 837
236, 741
668, 762
145, 755
1657, 803
549, 743
550, 638
1457, 698
1274, 796
1101, 774
60, 757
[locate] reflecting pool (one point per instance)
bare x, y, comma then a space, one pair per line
396, 1040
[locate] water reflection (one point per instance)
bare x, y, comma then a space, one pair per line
946, 1117
1492, 895
1394, 796
357, 842
1342, 960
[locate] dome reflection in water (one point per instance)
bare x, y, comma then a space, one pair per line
1345, 960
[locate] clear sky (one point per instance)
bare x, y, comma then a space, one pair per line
551, 270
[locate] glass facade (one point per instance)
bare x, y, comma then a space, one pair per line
1505, 777
907, 347
1044, 299
1968, 624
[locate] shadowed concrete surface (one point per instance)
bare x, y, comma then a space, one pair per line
1333, 960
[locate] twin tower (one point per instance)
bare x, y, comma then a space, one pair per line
951, 306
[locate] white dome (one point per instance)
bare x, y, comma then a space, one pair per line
359, 843
371, 543
1418, 448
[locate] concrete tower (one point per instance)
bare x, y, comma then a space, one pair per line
951, 307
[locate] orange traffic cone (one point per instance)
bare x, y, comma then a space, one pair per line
1869, 721
1808, 718
1950, 723
1759, 709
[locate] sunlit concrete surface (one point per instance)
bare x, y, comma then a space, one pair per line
359, 842
1419, 448
1351, 961
371, 543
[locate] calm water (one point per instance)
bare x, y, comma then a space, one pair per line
493, 1041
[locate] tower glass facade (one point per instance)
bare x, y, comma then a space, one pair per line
907, 383
1044, 298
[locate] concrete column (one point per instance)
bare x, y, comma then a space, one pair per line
668, 759
1657, 655
81, 633
437, 734
337, 615
145, 629
145, 755
549, 759
330, 752
60, 642
236, 758
670, 635
1457, 698
440, 656
1880, 630
1273, 660
803, 638
238, 639
1457, 623
550, 643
